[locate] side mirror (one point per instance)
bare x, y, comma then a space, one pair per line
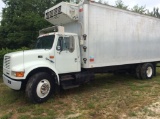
60, 44
59, 48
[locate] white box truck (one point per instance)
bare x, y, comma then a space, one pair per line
86, 38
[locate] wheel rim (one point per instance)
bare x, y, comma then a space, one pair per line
149, 71
43, 88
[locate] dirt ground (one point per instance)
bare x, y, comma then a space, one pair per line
151, 111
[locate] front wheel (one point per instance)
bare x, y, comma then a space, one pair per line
39, 87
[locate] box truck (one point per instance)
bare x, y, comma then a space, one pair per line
86, 38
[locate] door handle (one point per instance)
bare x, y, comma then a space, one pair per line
75, 59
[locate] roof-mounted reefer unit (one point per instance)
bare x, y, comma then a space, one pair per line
62, 13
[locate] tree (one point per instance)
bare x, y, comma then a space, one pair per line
120, 4
21, 21
141, 9
106, 3
154, 13
100, 1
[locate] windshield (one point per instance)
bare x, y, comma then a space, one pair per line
45, 42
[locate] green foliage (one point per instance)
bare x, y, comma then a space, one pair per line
103, 2
139, 9
155, 12
7, 116
121, 5
100, 1
21, 21
106, 3
5, 51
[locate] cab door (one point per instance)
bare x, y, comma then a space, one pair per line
67, 54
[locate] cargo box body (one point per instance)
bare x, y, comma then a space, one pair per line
114, 36
117, 37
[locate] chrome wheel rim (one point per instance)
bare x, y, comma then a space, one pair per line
149, 71
43, 88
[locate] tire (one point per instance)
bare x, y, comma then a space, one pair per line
138, 71
147, 71
39, 87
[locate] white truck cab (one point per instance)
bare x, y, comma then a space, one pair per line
56, 51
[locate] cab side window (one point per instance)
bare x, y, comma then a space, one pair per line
66, 44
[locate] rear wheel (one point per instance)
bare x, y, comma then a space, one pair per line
138, 71
39, 87
147, 71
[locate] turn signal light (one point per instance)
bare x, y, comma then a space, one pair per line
19, 74
51, 57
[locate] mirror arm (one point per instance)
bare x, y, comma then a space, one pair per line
60, 51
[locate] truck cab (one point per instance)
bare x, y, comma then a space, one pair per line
54, 62
64, 49
56, 52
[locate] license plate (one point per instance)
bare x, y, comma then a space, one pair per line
9, 82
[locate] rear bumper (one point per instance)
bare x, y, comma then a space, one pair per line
16, 85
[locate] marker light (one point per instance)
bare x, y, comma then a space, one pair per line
51, 57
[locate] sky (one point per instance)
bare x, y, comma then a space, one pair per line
1, 5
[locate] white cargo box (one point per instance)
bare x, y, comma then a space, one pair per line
115, 36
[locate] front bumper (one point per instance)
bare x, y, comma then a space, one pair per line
16, 85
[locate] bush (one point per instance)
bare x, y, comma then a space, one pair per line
5, 51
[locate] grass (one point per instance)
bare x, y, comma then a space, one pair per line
109, 96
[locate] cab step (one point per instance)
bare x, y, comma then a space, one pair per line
65, 87
66, 78
68, 82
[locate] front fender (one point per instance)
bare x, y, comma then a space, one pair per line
29, 67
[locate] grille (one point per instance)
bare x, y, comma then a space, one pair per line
47, 15
7, 62
59, 10
53, 12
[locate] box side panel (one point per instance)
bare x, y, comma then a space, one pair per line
73, 27
118, 37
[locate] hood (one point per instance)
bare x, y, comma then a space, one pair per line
15, 54
36, 54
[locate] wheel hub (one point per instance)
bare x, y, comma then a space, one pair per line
43, 88
149, 71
